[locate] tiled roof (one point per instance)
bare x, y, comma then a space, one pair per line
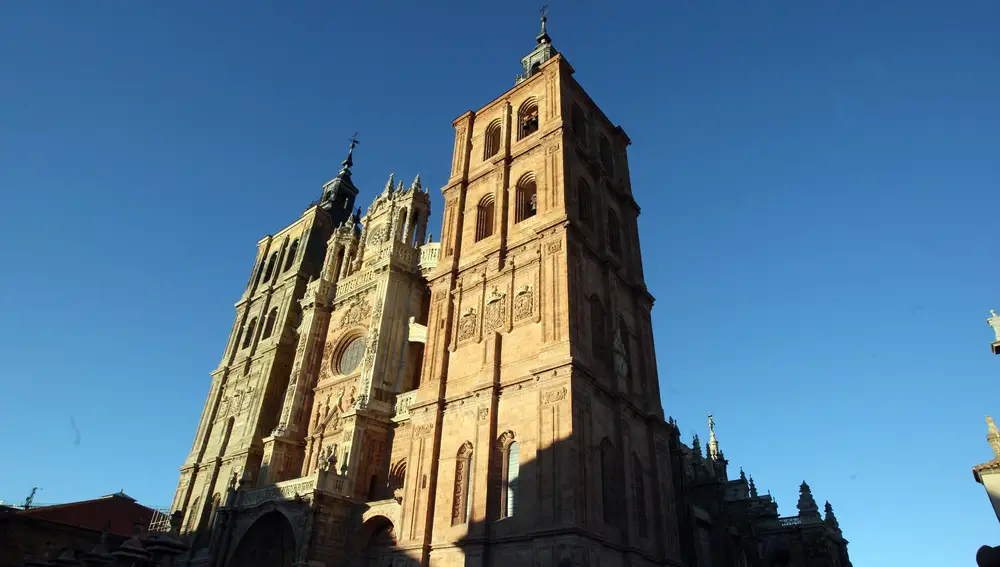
117, 511
988, 466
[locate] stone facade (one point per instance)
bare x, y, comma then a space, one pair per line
491, 399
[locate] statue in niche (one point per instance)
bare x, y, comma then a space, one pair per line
621, 354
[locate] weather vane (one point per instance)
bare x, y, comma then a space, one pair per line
544, 11
354, 140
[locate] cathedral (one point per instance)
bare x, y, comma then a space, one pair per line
488, 399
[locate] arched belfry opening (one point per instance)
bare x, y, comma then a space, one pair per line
269, 542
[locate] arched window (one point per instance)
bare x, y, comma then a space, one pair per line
290, 255
270, 266
485, 215
248, 338
339, 264
491, 146
608, 504
639, 496
585, 209
604, 148
401, 225
527, 119
272, 318
614, 233
193, 514
579, 124
597, 328
462, 501
414, 236
526, 200
511, 467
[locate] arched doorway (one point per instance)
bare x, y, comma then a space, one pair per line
269, 542
378, 536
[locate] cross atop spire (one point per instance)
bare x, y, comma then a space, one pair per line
349, 160
543, 36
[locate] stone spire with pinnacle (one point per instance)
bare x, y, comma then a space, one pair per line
829, 518
696, 445
807, 504
713, 443
753, 488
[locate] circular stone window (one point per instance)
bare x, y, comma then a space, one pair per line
351, 356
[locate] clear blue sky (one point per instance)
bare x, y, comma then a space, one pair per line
818, 182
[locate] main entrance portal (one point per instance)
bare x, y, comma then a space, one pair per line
269, 542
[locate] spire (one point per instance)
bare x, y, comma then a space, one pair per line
543, 36
807, 504
388, 184
713, 443
340, 192
416, 183
345, 166
696, 445
542, 52
829, 518
743, 475
753, 489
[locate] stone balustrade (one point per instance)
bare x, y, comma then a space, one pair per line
402, 407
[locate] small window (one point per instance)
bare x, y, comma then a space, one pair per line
351, 356
485, 215
639, 496
338, 265
608, 504
605, 153
579, 125
614, 233
510, 481
269, 325
492, 143
583, 202
596, 327
248, 338
527, 200
290, 256
527, 120
401, 225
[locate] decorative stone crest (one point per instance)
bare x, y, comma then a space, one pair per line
496, 308
554, 247
467, 324
484, 413
357, 312
524, 303
372, 348
554, 395
422, 430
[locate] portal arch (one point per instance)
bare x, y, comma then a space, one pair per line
268, 542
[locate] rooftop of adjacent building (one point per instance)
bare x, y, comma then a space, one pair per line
116, 513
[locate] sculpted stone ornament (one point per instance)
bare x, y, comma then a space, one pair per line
621, 357
467, 326
523, 303
992, 427
496, 307
994, 321
356, 313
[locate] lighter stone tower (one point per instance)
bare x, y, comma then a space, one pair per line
538, 417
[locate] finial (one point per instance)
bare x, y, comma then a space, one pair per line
713, 443
829, 518
807, 504
743, 475
753, 488
543, 36
992, 426
349, 160
696, 445
401, 188
388, 184
416, 183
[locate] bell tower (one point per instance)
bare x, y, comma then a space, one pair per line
539, 342
243, 430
